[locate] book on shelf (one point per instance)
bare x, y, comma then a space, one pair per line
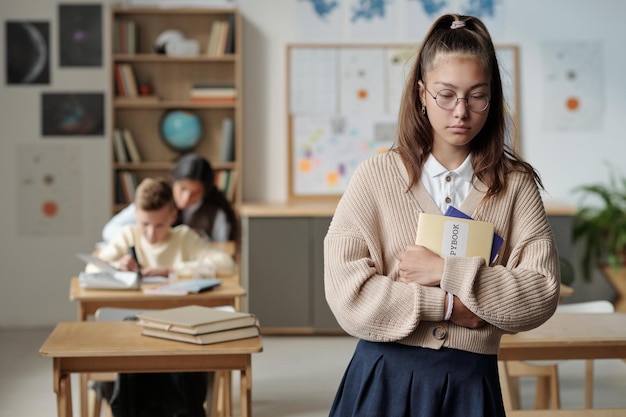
120, 197
227, 144
214, 100
226, 182
121, 153
206, 338
119, 82
454, 236
131, 146
223, 35
213, 38
125, 37
221, 180
129, 82
212, 91
230, 36
195, 319
218, 38
232, 186
128, 180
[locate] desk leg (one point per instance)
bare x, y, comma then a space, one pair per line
83, 381
246, 390
227, 396
63, 388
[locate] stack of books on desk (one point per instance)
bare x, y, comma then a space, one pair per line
198, 324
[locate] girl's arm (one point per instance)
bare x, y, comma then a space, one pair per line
116, 223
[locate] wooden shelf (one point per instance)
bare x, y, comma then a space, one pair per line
168, 104
172, 78
165, 59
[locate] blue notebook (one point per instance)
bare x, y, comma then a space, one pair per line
497, 240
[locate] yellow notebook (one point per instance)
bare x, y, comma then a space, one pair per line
453, 236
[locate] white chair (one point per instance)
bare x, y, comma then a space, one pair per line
218, 394
546, 372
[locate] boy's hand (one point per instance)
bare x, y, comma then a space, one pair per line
127, 263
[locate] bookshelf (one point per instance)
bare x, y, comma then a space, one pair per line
171, 77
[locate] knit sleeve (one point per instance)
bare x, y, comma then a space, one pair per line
520, 292
366, 300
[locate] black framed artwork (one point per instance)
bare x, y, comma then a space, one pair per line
80, 35
72, 114
27, 52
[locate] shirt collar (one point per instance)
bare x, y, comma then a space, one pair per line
433, 168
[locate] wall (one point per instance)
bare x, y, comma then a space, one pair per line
34, 278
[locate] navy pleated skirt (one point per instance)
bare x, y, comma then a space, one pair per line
394, 380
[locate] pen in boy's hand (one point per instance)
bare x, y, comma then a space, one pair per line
133, 253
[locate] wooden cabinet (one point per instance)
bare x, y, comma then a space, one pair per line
283, 267
171, 78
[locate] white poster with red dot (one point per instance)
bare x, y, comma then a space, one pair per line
573, 90
48, 190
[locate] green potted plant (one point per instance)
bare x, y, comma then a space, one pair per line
602, 227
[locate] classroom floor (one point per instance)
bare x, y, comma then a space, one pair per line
292, 377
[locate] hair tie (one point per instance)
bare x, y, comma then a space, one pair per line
457, 24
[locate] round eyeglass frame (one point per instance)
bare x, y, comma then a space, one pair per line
456, 102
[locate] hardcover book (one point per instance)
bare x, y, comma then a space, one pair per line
498, 240
206, 338
454, 236
195, 320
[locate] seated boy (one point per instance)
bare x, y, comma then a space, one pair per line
161, 248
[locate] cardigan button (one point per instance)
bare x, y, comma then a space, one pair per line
439, 333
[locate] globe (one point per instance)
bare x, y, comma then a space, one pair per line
181, 130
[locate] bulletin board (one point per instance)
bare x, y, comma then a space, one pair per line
343, 101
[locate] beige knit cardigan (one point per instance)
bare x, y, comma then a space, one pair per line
376, 218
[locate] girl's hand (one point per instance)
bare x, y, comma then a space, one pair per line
420, 265
462, 316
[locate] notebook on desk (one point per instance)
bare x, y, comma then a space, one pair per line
108, 278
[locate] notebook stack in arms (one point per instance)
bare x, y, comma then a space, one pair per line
198, 324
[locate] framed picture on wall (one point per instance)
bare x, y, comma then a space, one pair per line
80, 35
343, 102
27, 52
72, 114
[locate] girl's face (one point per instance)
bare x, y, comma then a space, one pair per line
460, 75
187, 192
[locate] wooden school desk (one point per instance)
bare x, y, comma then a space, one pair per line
119, 347
229, 292
566, 336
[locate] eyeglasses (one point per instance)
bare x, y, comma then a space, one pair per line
447, 100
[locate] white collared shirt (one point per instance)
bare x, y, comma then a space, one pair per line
447, 187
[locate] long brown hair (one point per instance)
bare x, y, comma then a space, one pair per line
491, 157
